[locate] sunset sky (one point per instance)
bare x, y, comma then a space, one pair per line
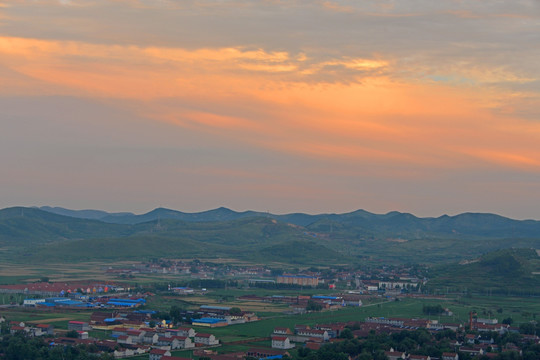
428, 107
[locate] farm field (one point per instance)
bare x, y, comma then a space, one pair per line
243, 336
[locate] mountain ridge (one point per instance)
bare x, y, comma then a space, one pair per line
357, 235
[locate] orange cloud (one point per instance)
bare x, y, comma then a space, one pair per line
263, 98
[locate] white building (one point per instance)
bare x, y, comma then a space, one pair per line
281, 342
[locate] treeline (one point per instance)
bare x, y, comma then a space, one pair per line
273, 285
21, 347
197, 283
418, 342
432, 309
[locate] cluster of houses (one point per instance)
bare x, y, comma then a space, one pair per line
311, 337
79, 301
376, 279
472, 344
194, 269
125, 341
398, 355
217, 316
299, 304
31, 329
258, 353
164, 339
45, 288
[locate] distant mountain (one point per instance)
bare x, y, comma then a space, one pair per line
20, 226
391, 224
84, 214
220, 214
395, 236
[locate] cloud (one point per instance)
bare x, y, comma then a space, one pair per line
373, 95
346, 109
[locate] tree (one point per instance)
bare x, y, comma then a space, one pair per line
346, 334
235, 311
175, 313
72, 334
313, 306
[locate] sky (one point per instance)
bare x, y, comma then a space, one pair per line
428, 107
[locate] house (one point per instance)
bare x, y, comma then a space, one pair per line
281, 342
186, 331
471, 351
313, 333
150, 337
17, 323
183, 342
206, 340
43, 329
450, 356
124, 339
78, 326
419, 357
117, 331
334, 330
282, 331
395, 355
15, 329
123, 353
168, 342
313, 345
157, 354
500, 328
137, 335
471, 338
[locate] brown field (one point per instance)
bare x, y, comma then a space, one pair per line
44, 321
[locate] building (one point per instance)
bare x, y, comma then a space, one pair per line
313, 333
150, 337
281, 342
186, 331
395, 355
450, 356
282, 331
78, 326
182, 342
419, 357
157, 354
302, 280
210, 322
44, 329
206, 340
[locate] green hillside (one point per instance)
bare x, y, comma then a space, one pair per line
508, 271
355, 237
21, 226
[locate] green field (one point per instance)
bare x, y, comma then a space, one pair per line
520, 309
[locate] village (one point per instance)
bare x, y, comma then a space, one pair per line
134, 332
117, 319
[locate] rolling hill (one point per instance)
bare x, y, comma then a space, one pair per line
395, 224
330, 238
507, 271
